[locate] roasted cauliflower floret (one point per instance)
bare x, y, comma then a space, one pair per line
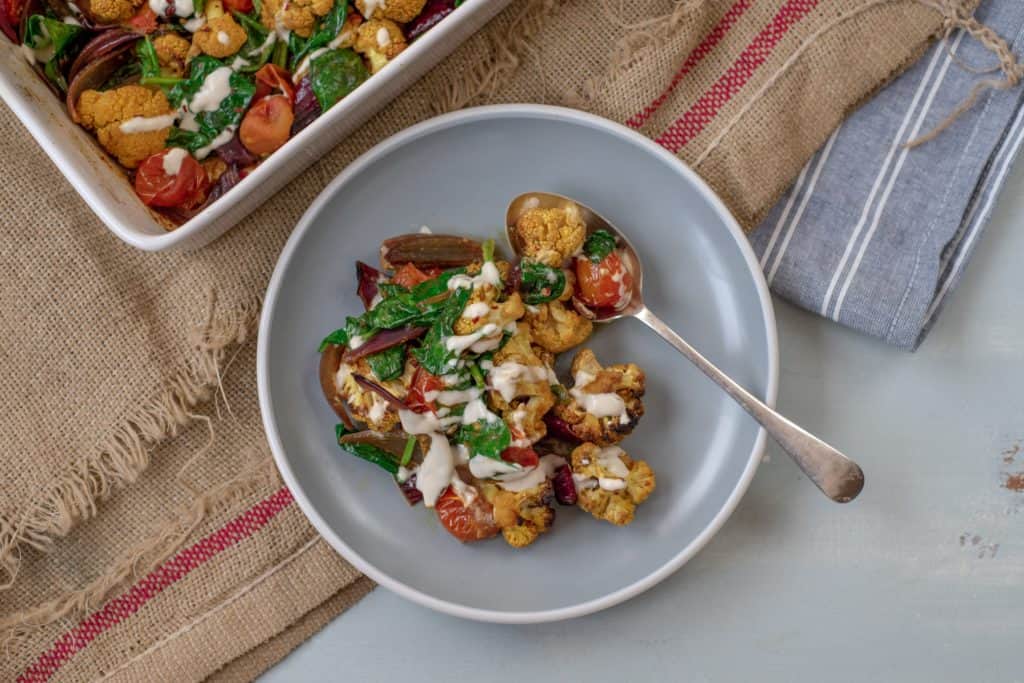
366, 405
522, 515
557, 328
604, 404
402, 11
110, 11
551, 236
298, 16
610, 484
497, 313
520, 388
104, 112
220, 37
379, 41
171, 51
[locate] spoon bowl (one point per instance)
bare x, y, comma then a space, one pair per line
837, 476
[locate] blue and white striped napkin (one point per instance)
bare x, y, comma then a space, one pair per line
874, 235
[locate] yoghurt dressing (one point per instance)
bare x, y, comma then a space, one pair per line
598, 405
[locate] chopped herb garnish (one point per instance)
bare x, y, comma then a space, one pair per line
598, 245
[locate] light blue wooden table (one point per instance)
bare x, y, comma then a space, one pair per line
920, 579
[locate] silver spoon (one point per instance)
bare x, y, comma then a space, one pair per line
837, 476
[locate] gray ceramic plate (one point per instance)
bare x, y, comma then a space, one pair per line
456, 174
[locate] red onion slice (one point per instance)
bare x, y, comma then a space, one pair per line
99, 47
94, 74
384, 340
370, 385
368, 278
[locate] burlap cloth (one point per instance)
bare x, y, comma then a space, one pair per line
144, 533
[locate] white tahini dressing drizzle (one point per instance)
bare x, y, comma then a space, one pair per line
383, 37
477, 309
483, 467
216, 86
173, 159
489, 275
425, 230
438, 468
505, 378
485, 339
182, 8
371, 7
194, 24
71, 21
222, 139
534, 476
378, 409
145, 124
453, 397
608, 459
223, 38
598, 405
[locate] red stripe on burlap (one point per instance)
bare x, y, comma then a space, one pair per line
151, 585
704, 110
710, 41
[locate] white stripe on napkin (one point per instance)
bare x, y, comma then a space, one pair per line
803, 204
925, 80
895, 175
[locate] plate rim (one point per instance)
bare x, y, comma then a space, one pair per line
398, 140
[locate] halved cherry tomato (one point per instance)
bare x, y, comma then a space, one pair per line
267, 125
422, 383
409, 276
271, 77
524, 457
11, 12
144, 20
156, 187
243, 6
603, 285
473, 522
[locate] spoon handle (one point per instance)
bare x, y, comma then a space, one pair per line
837, 476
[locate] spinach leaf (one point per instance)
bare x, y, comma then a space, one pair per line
149, 65
368, 452
334, 74
389, 363
258, 46
353, 327
51, 41
209, 124
540, 283
433, 354
485, 437
598, 245
438, 285
327, 29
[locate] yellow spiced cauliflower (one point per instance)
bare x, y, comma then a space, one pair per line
298, 16
220, 37
520, 388
366, 405
496, 313
110, 11
551, 236
610, 484
402, 11
522, 515
557, 328
104, 112
604, 405
172, 52
379, 41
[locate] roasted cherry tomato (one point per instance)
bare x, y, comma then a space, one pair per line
525, 457
243, 6
267, 125
473, 522
603, 285
271, 78
144, 20
178, 181
409, 276
422, 383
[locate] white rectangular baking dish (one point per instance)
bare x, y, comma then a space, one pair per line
102, 184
